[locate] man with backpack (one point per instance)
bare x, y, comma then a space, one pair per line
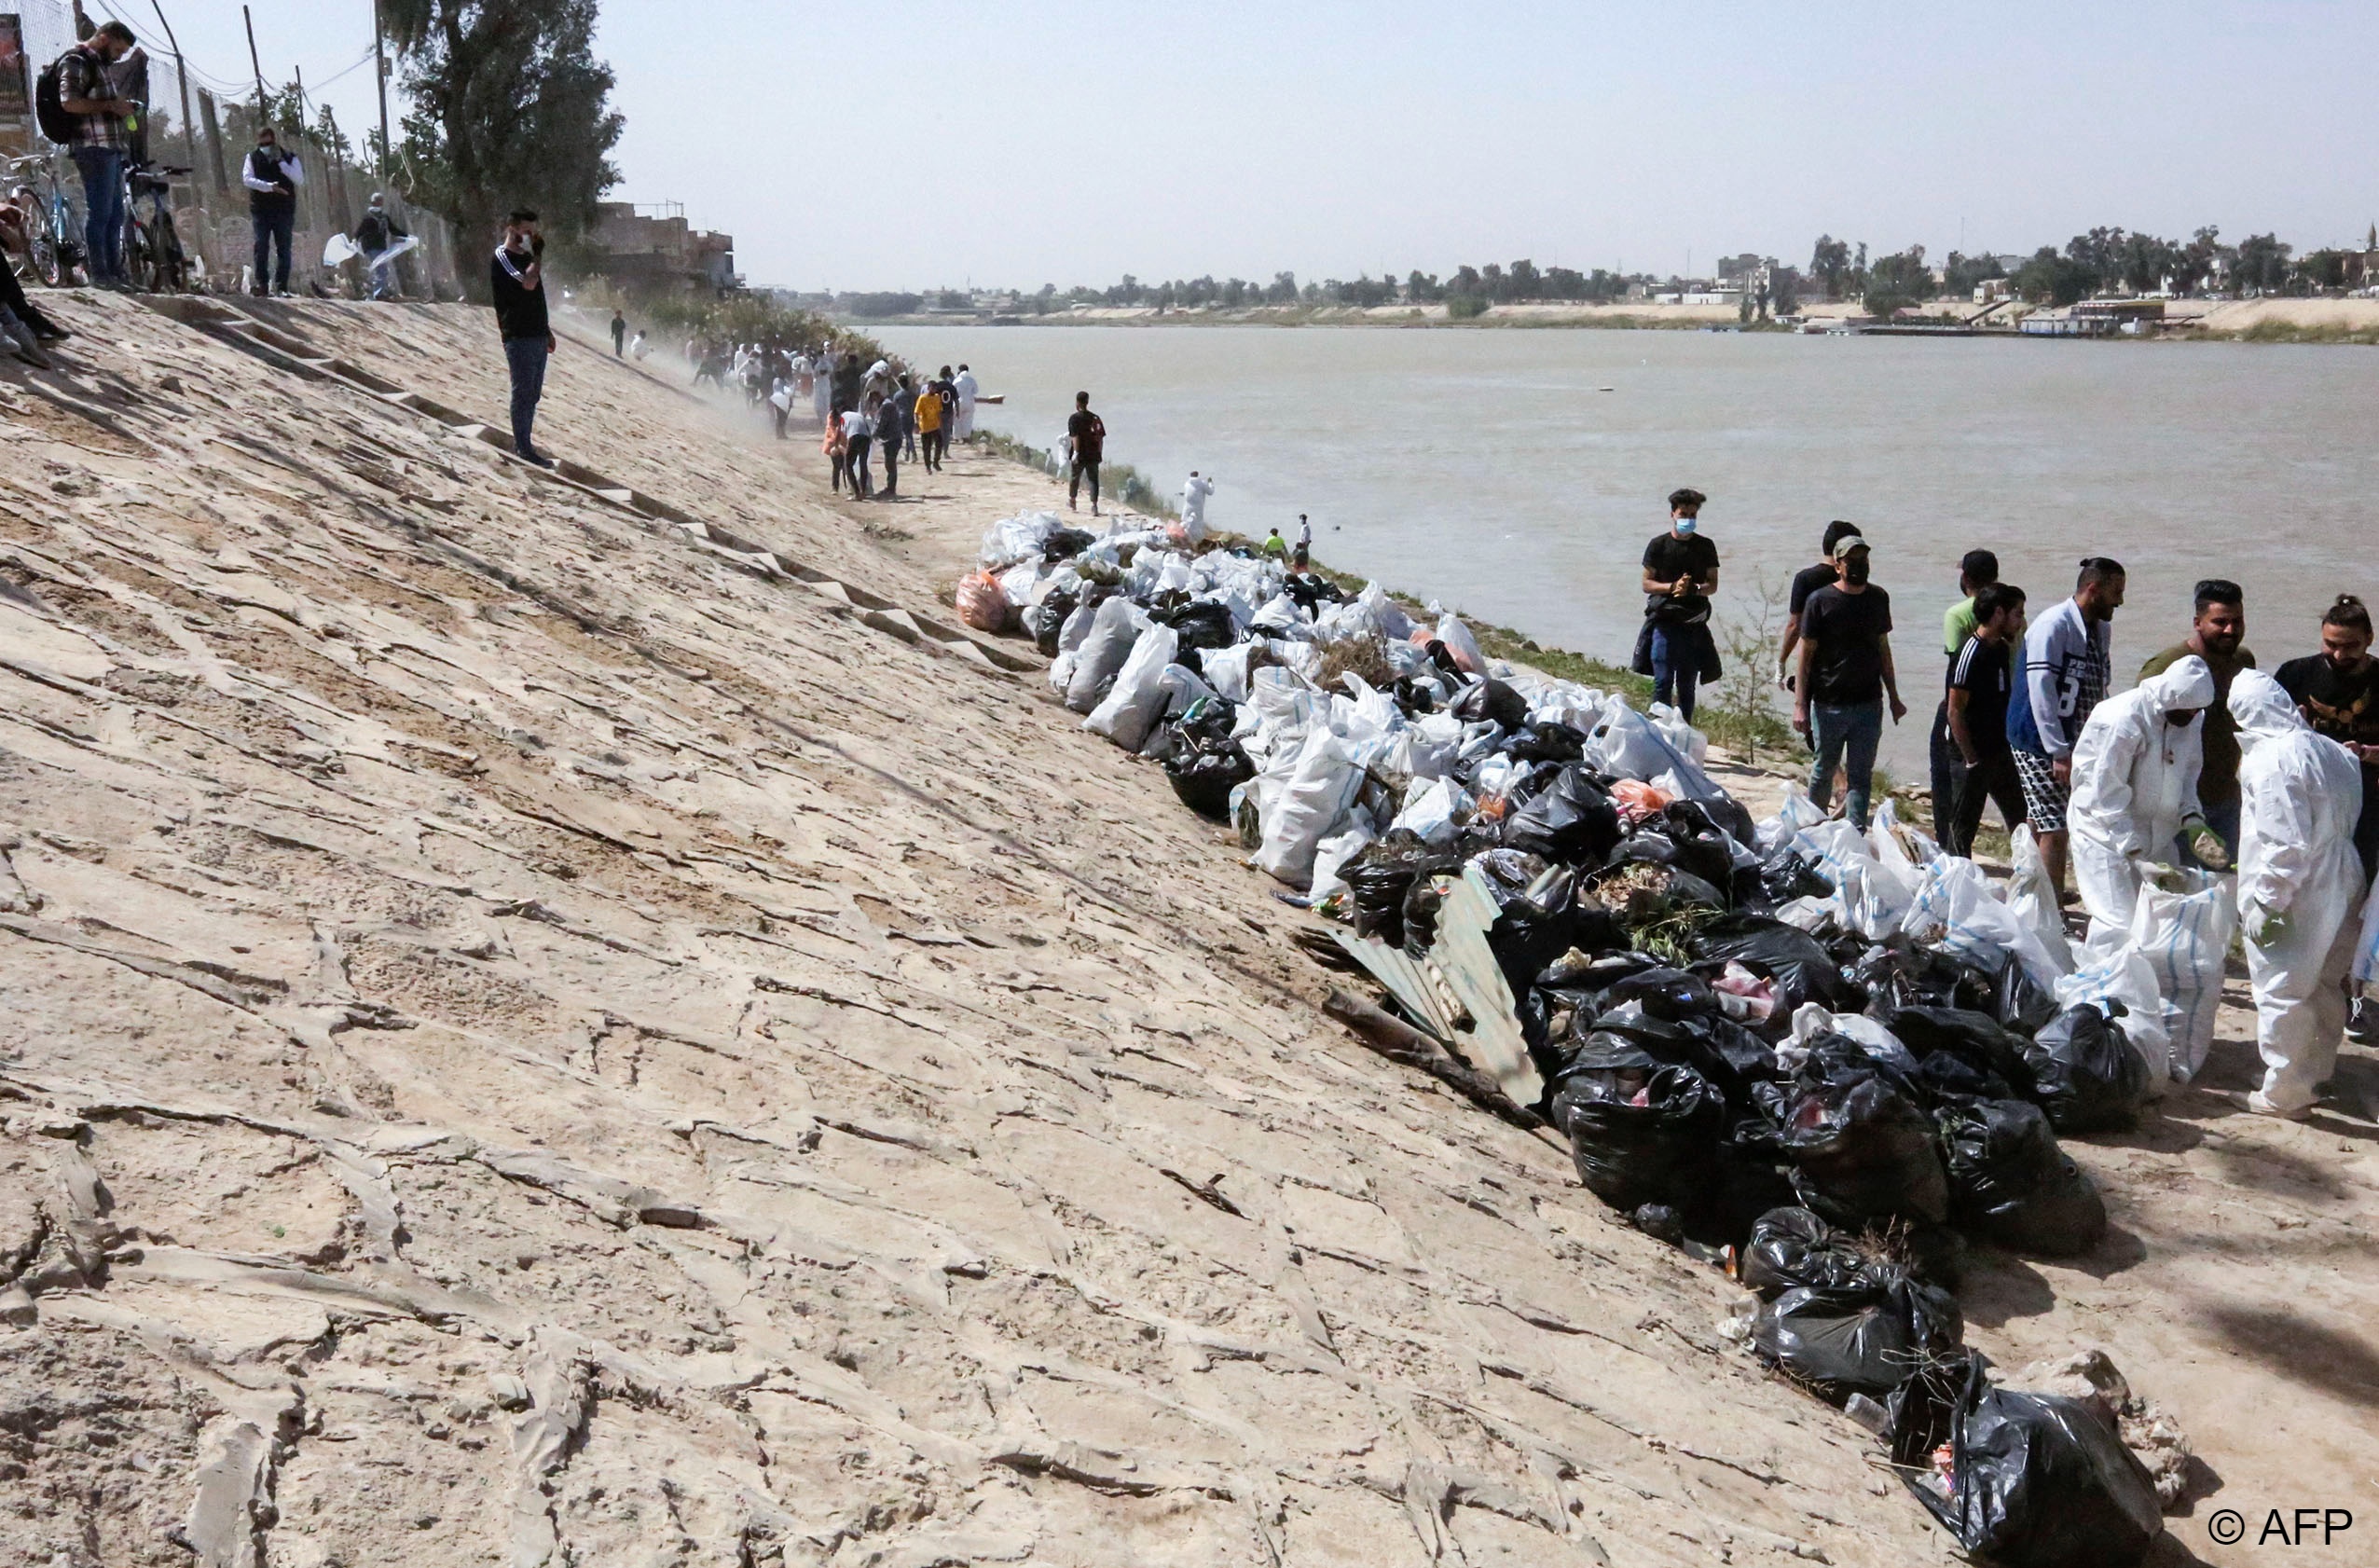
78, 107
272, 178
375, 237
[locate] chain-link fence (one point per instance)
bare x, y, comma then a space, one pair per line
201, 136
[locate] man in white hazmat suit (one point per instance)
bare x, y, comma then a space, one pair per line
2134, 789
2300, 884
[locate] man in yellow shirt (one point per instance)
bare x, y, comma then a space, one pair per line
930, 427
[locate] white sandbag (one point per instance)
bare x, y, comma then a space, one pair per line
1022, 537
1226, 669
1021, 584
1626, 746
1183, 689
1813, 915
1114, 630
1136, 700
1461, 644
1307, 809
1434, 810
1394, 625
1957, 910
2186, 935
1671, 727
2033, 897
2126, 976
1796, 812
1331, 859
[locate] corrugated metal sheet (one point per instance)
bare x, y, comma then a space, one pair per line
1455, 990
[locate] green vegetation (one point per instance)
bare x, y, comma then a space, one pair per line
741, 318
2294, 332
1466, 306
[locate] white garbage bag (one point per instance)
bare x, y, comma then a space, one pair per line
1796, 812
1227, 669
1315, 794
1461, 644
1331, 859
1136, 700
2033, 897
2186, 935
1957, 910
1114, 629
1394, 625
1671, 727
1434, 810
2125, 975
1020, 538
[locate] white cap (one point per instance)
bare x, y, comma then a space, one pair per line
1848, 542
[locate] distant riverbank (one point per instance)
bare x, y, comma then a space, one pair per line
2249, 321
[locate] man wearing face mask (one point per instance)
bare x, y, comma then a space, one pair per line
1680, 573
2136, 771
518, 280
2218, 637
1844, 676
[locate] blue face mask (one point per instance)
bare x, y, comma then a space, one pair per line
1684, 525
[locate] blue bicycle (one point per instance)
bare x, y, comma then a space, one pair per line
53, 235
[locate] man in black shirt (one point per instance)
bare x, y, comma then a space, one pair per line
1845, 673
619, 339
2337, 690
1981, 679
1808, 579
518, 280
1089, 434
1680, 573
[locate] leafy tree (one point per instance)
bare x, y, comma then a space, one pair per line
1897, 280
2051, 279
510, 109
1784, 286
2262, 263
1830, 265
1960, 275
1421, 287
1523, 282
1282, 289
1465, 280
1463, 307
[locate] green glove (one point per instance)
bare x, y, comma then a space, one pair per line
2264, 927
2207, 846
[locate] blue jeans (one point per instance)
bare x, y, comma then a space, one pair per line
1846, 734
383, 278
273, 231
102, 211
527, 356
1674, 669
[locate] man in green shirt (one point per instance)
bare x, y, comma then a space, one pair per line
2218, 635
1978, 571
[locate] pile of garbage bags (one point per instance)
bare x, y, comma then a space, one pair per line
1832, 1056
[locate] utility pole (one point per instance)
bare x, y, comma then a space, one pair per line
380, 75
264, 104
181, 77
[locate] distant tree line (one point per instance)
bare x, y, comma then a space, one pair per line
2104, 260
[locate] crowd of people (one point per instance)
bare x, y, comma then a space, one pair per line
866, 414
2205, 766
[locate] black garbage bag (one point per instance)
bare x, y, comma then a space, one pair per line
1490, 698
1065, 544
1799, 964
2011, 1185
1641, 1132
1412, 696
1963, 1053
1703, 847
1867, 1337
2021, 1004
1862, 1149
1198, 626
2085, 1073
1898, 974
1570, 821
1788, 875
1201, 760
1791, 1249
1379, 876
1650, 847
1046, 619
1423, 899
1547, 741
2021, 1480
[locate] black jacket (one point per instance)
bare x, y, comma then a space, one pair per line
521, 312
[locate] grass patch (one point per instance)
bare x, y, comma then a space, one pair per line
2298, 331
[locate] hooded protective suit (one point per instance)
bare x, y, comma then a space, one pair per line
2300, 884
2135, 783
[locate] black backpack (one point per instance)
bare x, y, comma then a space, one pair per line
50, 108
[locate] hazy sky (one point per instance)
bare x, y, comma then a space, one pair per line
896, 145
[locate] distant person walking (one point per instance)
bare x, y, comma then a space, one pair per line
1680, 573
964, 388
103, 135
2068, 657
1274, 546
272, 177
892, 433
1844, 677
837, 450
1304, 543
931, 428
518, 280
619, 336
1088, 432
859, 435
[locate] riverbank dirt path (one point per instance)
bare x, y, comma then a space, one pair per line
531, 1039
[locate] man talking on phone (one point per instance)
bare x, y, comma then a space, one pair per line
518, 280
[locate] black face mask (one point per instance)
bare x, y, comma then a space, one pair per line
1854, 572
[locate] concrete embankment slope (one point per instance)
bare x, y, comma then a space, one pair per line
529, 1040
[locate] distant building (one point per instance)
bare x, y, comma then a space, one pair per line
654, 247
